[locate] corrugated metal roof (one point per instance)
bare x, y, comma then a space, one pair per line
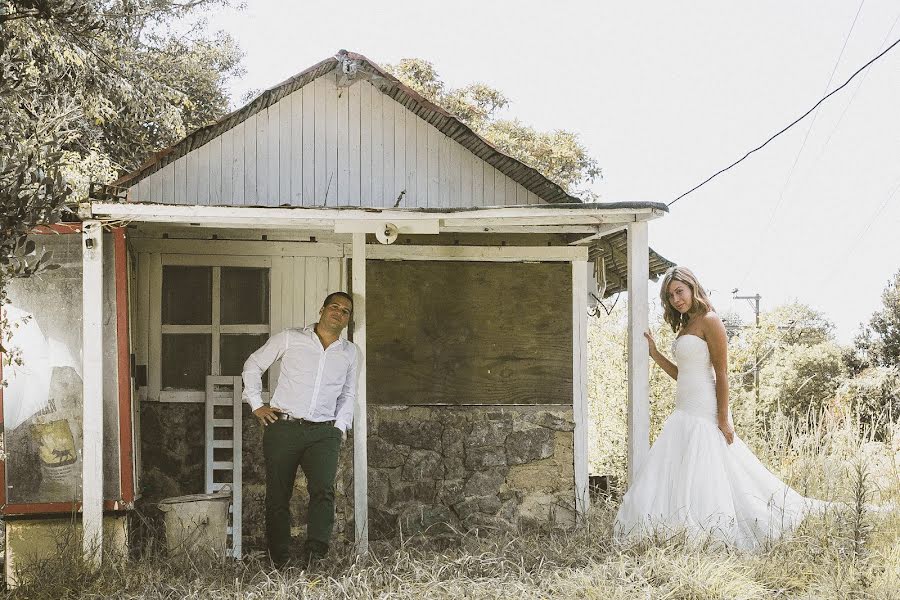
360, 66
614, 249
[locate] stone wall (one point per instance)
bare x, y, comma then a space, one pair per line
441, 469
436, 470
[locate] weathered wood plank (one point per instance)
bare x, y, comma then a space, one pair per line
309, 145
343, 147
638, 440
250, 193
434, 167
215, 171
453, 344
376, 115
465, 177
353, 124
399, 152
365, 143
315, 281
156, 187
330, 196
263, 190
489, 172
388, 136
237, 166
321, 141
285, 147
410, 148
477, 181
203, 157
167, 182
227, 182
296, 290
296, 158
191, 177
421, 197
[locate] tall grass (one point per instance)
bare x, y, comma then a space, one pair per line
851, 551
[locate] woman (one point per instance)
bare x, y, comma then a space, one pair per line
699, 477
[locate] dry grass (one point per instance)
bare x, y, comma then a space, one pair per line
820, 561
850, 552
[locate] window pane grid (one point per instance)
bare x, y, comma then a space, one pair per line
213, 317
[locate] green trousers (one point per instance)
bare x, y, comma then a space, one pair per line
314, 447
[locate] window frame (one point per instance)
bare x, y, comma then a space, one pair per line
216, 329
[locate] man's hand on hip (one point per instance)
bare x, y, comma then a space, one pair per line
265, 414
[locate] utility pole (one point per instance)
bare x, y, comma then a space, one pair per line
755, 303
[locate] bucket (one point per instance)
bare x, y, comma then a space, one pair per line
197, 523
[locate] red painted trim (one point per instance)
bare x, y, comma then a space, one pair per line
124, 368
58, 228
54, 507
126, 451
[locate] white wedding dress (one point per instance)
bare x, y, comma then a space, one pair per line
692, 481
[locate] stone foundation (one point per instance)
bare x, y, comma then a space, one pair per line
435, 470
444, 469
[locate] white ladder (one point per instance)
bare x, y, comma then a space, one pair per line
224, 392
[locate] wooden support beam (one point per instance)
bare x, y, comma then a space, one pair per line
638, 354
478, 253
579, 384
92, 392
360, 454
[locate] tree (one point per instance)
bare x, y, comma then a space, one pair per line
878, 344
88, 89
800, 363
559, 155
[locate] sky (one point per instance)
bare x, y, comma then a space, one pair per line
664, 94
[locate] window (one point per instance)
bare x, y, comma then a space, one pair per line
212, 318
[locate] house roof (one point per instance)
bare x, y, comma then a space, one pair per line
353, 66
612, 250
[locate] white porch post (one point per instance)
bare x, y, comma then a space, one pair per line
638, 356
92, 381
579, 384
360, 454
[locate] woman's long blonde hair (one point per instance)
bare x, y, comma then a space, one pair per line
700, 306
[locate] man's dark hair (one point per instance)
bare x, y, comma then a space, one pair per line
332, 295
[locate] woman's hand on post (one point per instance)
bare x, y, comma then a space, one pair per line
265, 414
651, 343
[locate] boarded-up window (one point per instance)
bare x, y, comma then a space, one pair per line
469, 333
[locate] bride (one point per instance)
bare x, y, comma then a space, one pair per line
699, 477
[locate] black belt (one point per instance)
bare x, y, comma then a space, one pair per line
283, 416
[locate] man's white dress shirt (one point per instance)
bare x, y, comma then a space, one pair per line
315, 383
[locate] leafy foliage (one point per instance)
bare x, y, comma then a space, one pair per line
88, 89
559, 155
879, 342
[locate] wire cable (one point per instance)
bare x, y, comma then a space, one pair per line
840, 120
771, 220
854, 244
794, 122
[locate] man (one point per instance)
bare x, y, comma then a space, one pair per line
308, 416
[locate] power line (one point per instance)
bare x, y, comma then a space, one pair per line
771, 220
840, 120
862, 234
794, 122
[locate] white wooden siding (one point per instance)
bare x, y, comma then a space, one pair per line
329, 146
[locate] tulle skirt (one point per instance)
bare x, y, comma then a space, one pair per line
693, 483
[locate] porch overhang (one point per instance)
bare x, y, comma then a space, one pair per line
590, 220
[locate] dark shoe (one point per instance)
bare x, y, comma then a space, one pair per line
312, 553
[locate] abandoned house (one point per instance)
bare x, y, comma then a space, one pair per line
471, 275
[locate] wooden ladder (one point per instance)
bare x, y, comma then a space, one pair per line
224, 393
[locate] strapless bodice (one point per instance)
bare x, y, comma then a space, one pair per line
695, 391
